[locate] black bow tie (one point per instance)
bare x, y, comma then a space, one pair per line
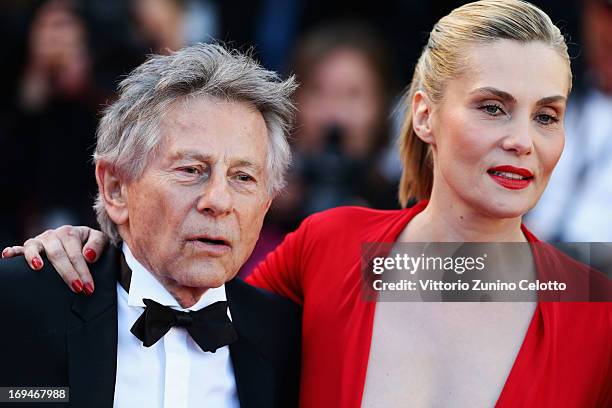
210, 327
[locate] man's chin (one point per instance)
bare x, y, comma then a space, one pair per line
197, 279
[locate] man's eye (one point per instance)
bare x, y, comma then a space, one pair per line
546, 119
243, 177
492, 109
191, 170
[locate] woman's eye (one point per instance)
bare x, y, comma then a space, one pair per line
493, 110
546, 119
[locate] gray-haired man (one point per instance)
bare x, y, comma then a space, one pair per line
188, 160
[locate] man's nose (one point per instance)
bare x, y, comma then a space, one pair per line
216, 198
520, 140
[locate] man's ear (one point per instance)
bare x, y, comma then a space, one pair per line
269, 203
113, 193
422, 117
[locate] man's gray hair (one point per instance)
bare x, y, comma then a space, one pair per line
129, 131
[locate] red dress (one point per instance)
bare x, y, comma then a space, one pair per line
565, 359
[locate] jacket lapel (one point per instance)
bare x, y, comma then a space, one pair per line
92, 343
256, 378
92, 339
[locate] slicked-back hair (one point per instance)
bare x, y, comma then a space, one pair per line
480, 22
128, 134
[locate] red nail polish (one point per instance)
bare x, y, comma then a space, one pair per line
90, 254
37, 263
77, 286
4, 252
88, 289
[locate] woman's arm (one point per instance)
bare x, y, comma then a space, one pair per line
68, 248
282, 270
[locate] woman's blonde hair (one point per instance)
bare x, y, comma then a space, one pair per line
481, 22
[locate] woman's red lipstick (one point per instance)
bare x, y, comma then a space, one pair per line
510, 177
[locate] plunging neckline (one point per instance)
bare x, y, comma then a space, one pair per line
531, 328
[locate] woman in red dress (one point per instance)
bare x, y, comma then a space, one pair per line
483, 133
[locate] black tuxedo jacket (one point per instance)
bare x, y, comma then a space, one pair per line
53, 337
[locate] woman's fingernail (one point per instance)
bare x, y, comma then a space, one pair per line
4, 252
88, 288
37, 263
77, 286
90, 254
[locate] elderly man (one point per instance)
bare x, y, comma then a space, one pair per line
187, 161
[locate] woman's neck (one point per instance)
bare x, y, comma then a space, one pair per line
452, 222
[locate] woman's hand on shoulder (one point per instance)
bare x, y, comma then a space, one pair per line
69, 249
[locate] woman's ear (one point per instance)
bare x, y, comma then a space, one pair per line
422, 117
113, 192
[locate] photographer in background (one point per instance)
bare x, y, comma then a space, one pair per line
55, 121
341, 130
342, 122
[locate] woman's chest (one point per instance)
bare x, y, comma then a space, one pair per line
443, 354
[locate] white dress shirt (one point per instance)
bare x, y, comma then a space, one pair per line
174, 372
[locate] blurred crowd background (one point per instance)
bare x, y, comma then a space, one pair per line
61, 62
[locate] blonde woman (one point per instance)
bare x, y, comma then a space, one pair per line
483, 134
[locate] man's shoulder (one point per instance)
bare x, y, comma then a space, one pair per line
38, 305
265, 318
269, 328
23, 288
42, 318
37, 309
21, 284
243, 296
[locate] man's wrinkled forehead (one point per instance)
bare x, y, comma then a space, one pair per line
224, 133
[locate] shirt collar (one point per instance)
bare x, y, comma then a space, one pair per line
144, 285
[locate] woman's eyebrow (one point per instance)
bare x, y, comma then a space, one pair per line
551, 99
505, 96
